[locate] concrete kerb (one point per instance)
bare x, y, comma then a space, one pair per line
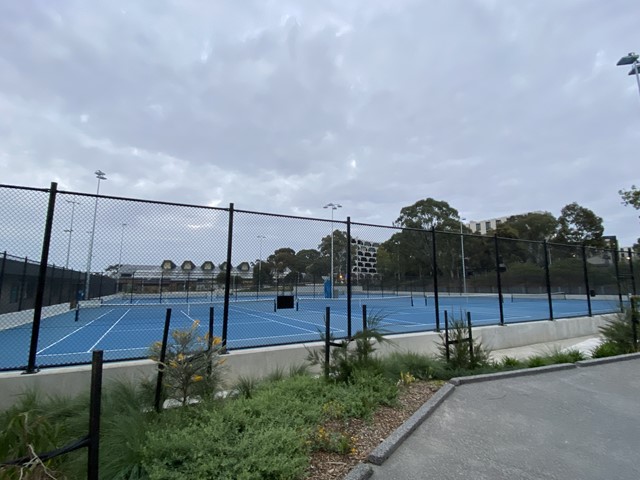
511, 374
393, 441
599, 361
383, 451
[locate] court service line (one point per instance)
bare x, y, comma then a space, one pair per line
105, 333
76, 330
276, 321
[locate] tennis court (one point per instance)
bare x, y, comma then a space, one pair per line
126, 330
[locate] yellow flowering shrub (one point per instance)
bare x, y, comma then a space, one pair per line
192, 367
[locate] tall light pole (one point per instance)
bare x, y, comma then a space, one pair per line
120, 255
333, 207
70, 230
100, 175
632, 59
261, 238
464, 269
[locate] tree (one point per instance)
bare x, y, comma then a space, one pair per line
631, 197
578, 224
429, 213
339, 251
536, 226
305, 259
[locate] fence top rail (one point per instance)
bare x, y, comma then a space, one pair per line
294, 217
298, 217
20, 187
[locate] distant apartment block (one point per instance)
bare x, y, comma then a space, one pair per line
365, 262
483, 226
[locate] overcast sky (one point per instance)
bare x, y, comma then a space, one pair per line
496, 106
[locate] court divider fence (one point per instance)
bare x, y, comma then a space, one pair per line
98, 253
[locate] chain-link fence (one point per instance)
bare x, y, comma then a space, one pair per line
80, 272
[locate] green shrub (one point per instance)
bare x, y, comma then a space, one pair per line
619, 332
459, 354
192, 366
606, 349
351, 355
510, 362
537, 361
565, 356
420, 366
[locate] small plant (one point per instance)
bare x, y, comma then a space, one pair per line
192, 367
406, 379
351, 355
572, 355
333, 441
459, 352
537, 361
245, 386
606, 349
510, 362
619, 332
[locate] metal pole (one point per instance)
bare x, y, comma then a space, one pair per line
101, 176
44, 258
635, 68
616, 259
261, 237
547, 278
434, 262
94, 416
227, 280
331, 252
23, 280
120, 254
4, 262
464, 271
586, 278
499, 278
348, 274
70, 231
633, 278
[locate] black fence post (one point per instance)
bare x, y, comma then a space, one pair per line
547, 278
586, 278
210, 340
2, 267
23, 280
434, 263
499, 277
327, 341
161, 360
616, 259
44, 258
446, 335
227, 280
51, 284
633, 278
348, 273
470, 336
93, 458
364, 318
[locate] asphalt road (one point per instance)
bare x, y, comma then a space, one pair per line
582, 423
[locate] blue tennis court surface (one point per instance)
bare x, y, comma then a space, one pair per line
126, 330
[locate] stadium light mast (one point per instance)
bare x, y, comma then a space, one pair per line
70, 229
120, 255
261, 238
464, 270
100, 175
333, 207
632, 59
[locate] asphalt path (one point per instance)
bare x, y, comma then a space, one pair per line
582, 423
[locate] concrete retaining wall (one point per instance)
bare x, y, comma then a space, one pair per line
260, 362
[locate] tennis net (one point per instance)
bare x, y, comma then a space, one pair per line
310, 303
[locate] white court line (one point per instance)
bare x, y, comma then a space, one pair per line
76, 330
105, 333
269, 319
297, 335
